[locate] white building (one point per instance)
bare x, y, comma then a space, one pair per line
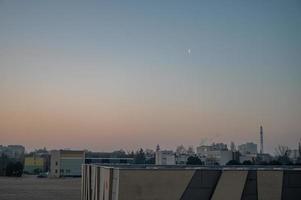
220, 157
165, 157
219, 146
248, 148
247, 157
214, 154
265, 157
202, 150
294, 154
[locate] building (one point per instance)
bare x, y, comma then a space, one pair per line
115, 161
264, 157
217, 153
37, 161
182, 154
214, 147
219, 146
180, 183
294, 155
165, 157
181, 159
217, 157
115, 157
232, 146
13, 152
248, 148
66, 163
248, 157
10, 154
34, 164
203, 149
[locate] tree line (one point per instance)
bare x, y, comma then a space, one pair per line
10, 167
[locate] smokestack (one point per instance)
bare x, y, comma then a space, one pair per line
261, 140
299, 148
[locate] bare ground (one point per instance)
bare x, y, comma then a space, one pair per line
32, 188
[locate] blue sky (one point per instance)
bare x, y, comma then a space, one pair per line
130, 60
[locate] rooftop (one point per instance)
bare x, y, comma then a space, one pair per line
195, 167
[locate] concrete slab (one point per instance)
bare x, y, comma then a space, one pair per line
202, 185
230, 185
291, 185
269, 185
250, 189
153, 184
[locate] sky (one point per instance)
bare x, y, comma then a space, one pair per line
105, 75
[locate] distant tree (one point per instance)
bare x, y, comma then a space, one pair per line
262, 163
19, 169
14, 169
151, 161
181, 150
190, 150
282, 154
282, 150
247, 162
274, 162
233, 162
139, 157
232, 146
285, 161
3, 164
119, 154
194, 160
130, 154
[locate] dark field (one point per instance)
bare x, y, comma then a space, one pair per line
32, 188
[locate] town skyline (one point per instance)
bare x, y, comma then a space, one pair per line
203, 142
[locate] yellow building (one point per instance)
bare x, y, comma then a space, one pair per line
34, 164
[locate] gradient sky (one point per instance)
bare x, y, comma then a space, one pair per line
106, 75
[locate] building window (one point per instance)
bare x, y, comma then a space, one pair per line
56, 171
68, 171
56, 163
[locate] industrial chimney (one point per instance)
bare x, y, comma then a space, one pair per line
261, 140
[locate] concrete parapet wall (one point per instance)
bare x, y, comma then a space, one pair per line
269, 185
230, 185
150, 183
153, 184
